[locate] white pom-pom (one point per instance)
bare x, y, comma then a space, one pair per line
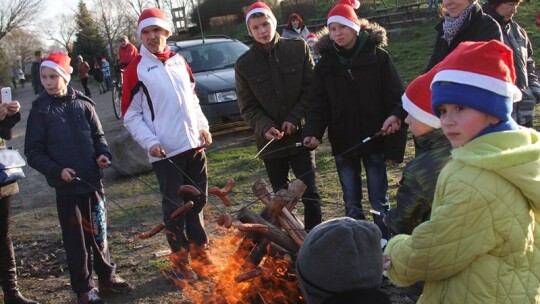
356, 4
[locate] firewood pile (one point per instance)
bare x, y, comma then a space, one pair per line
262, 267
265, 256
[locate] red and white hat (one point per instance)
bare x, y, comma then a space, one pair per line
260, 7
495, 72
311, 37
59, 61
477, 69
343, 13
153, 16
417, 100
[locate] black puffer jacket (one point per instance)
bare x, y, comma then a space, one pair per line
354, 101
477, 27
65, 132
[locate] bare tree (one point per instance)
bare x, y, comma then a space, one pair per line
21, 45
17, 13
114, 21
63, 29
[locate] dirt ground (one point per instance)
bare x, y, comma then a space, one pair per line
37, 237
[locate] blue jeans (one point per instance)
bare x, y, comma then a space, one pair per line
349, 168
434, 4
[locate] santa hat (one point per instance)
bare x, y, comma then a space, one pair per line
59, 62
260, 7
311, 37
153, 16
478, 69
343, 13
478, 75
350, 253
417, 100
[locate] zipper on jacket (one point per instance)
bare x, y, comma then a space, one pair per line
350, 73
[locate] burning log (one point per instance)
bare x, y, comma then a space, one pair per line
246, 276
274, 234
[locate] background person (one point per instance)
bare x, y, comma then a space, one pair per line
515, 37
106, 71
36, 80
127, 52
167, 121
98, 77
9, 116
278, 115
463, 21
295, 28
82, 69
64, 141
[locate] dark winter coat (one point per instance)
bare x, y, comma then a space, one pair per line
417, 186
516, 38
5, 134
65, 132
272, 87
477, 27
354, 108
36, 79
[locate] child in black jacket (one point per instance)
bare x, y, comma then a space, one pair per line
65, 142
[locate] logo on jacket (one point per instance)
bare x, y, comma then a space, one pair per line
151, 68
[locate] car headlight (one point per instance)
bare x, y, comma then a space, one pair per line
222, 97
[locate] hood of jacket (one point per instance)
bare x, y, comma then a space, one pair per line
377, 36
513, 155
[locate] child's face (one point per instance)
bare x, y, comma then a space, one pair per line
417, 127
461, 124
342, 35
53, 83
261, 29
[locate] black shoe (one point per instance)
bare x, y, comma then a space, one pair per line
90, 297
115, 284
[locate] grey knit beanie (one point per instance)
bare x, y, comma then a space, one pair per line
339, 255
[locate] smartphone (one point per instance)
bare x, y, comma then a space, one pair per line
6, 94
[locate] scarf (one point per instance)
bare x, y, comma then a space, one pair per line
166, 54
451, 25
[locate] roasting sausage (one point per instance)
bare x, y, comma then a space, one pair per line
151, 232
223, 193
228, 220
188, 189
257, 228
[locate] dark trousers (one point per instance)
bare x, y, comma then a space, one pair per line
303, 166
84, 232
188, 169
84, 82
8, 270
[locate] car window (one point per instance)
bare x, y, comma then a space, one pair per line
213, 56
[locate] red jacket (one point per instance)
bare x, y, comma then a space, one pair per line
126, 55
